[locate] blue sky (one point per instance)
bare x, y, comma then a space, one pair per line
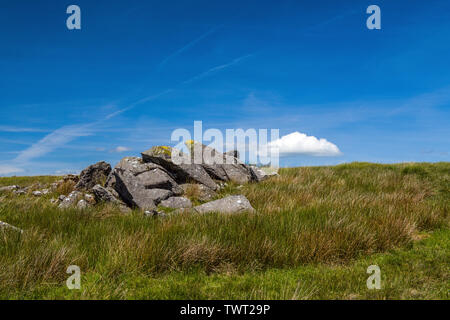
138, 70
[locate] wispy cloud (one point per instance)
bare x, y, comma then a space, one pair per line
120, 149
66, 134
8, 169
216, 69
187, 46
20, 129
164, 92
54, 140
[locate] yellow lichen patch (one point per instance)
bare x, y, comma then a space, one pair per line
190, 145
162, 150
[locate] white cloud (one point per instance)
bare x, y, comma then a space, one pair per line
7, 169
300, 143
120, 149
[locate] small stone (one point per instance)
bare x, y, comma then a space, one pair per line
261, 174
61, 197
230, 204
4, 226
55, 185
37, 193
90, 199
9, 188
82, 204
70, 200
154, 213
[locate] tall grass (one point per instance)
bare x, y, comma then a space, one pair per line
304, 216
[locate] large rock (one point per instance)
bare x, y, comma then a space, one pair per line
135, 194
92, 175
228, 205
176, 203
238, 173
184, 171
141, 184
104, 194
220, 166
150, 175
258, 174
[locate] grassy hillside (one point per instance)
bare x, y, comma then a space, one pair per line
315, 232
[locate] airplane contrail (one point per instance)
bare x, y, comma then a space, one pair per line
187, 46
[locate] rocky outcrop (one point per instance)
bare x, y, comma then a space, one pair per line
220, 166
143, 185
228, 205
92, 175
164, 177
184, 172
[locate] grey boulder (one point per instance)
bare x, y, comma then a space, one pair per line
135, 194
258, 174
220, 166
184, 170
149, 175
92, 175
227, 205
176, 203
102, 194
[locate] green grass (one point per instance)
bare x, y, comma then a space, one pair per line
316, 231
